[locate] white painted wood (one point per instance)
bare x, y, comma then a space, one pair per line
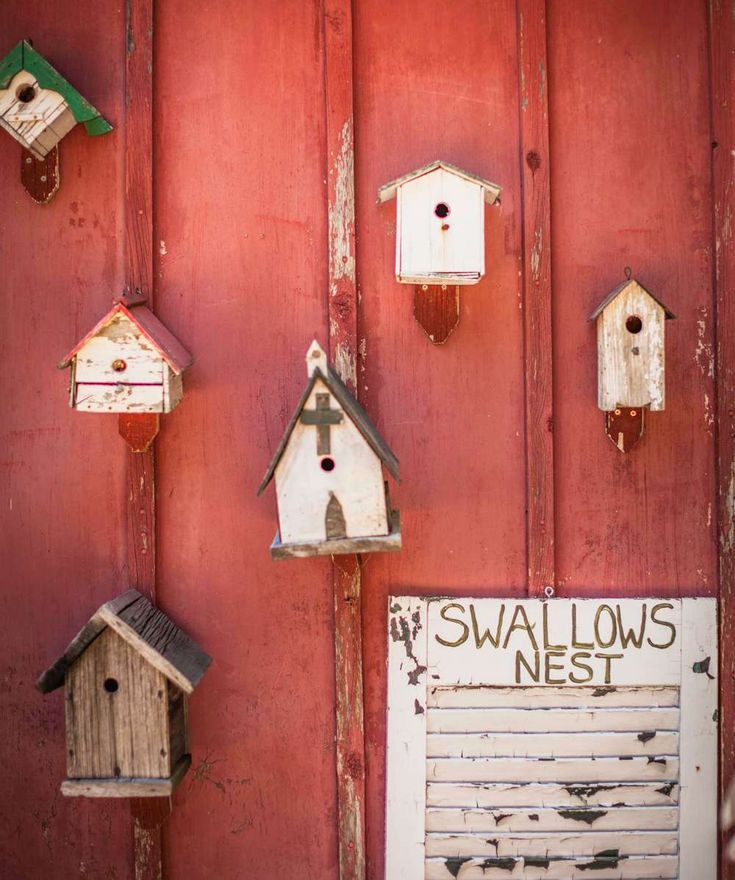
631, 365
406, 747
302, 486
500, 749
568, 770
555, 745
433, 249
38, 124
564, 844
536, 796
551, 720
634, 868
699, 783
119, 398
567, 697
541, 820
173, 389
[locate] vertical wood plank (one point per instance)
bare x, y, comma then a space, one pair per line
534, 130
141, 513
343, 351
722, 73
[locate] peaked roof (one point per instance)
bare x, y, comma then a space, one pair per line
492, 190
355, 412
25, 57
148, 630
167, 345
619, 289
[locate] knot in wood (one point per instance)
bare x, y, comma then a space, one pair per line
342, 305
353, 765
533, 160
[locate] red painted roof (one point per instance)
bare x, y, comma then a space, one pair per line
167, 345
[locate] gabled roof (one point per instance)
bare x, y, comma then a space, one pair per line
353, 410
148, 630
388, 190
167, 345
25, 57
619, 289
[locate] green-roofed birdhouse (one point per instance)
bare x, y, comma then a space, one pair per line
38, 107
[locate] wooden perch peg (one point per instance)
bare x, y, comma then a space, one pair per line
436, 308
625, 426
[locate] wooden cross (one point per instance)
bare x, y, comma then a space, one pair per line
323, 417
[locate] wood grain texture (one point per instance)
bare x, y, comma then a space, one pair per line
40, 177
342, 312
536, 194
436, 308
722, 68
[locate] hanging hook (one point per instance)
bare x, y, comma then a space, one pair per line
628, 272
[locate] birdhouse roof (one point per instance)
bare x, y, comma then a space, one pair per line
354, 412
165, 343
388, 190
25, 57
619, 289
148, 630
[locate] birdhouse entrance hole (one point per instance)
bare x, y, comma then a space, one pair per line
327, 464
442, 210
25, 93
110, 685
634, 324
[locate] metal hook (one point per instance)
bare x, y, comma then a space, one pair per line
628, 272
549, 592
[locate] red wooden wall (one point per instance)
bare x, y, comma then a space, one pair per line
240, 228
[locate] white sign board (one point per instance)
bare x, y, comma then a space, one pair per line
568, 738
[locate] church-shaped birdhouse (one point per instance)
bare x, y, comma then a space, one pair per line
440, 238
126, 678
38, 107
631, 336
129, 362
328, 469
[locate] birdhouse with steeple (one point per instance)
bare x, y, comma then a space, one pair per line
631, 331
328, 469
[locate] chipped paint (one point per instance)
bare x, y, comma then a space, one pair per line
345, 364
342, 213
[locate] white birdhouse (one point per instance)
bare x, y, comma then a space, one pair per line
328, 469
440, 224
127, 363
630, 359
38, 107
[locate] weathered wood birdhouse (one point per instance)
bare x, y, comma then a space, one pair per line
126, 678
127, 363
38, 107
328, 470
630, 359
440, 238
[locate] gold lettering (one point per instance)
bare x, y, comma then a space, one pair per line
534, 673
608, 658
487, 635
466, 630
575, 643
549, 666
613, 627
528, 627
575, 658
627, 636
549, 647
665, 623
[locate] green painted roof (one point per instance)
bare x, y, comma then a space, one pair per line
25, 57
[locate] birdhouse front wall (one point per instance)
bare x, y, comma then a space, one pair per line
116, 714
37, 118
119, 370
304, 488
630, 350
440, 230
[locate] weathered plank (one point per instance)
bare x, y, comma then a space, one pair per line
551, 697
634, 868
569, 770
561, 819
535, 795
127, 788
550, 720
552, 745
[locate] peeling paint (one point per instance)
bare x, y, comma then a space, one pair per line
342, 213
345, 364
586, 816
402, 631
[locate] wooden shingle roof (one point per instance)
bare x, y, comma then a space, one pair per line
354, 412
492, 190
148, 630
619, 289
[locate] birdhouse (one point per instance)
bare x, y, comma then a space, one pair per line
440, 238
328, 469
127, 363
126, 678
630, 359
38, 107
